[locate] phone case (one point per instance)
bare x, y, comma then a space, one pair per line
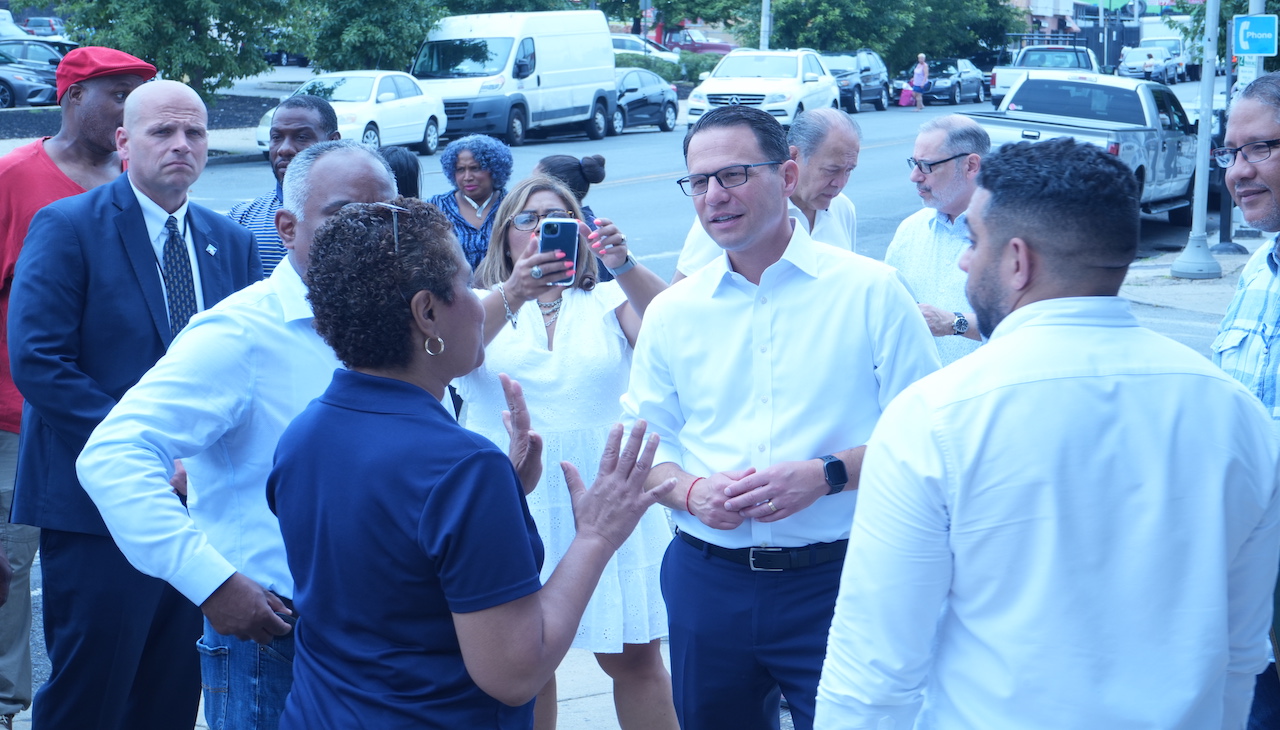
560, 234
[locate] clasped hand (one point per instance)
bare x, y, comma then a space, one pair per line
724, 499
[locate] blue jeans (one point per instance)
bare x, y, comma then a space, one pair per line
244, 682
1265, 714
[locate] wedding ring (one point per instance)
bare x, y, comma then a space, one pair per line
771, 506
536, 271
623, 236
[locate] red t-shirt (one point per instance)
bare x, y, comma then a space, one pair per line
29, 180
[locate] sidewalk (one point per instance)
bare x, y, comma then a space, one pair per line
1150, 282
586, 696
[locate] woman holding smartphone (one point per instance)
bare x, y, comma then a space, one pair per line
568, 344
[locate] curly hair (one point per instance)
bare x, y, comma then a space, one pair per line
360, 283
498, 262
491, 154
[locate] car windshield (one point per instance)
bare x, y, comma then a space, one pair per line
462, 57
840, 63
945, 67
339, 88
1079, 100
758, 67
1169, 44
1134, 55
1065, 58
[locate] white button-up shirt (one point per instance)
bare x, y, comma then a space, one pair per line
219, 399
1076, 526
733, 375
926, 250
156, 220
837, 225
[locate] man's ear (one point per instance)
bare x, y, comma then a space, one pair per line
794, 153
287, 227
335, 134
122, 143
790, 176
1020, 261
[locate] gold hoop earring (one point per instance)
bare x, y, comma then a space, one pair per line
427, 346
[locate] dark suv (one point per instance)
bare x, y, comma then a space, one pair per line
862, 77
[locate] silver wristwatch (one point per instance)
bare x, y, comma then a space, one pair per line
627, 265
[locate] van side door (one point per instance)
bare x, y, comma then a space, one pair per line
529, 81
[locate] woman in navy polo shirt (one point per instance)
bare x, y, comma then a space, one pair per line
414, 555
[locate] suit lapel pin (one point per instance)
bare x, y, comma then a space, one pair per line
211, 249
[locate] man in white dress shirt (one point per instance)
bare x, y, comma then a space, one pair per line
927, 245
764, 373
1076, 526
824, 144
219, 399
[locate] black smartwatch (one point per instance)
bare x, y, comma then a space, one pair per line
834, 472
960, 326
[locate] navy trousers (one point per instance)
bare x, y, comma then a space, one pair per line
740, 639
122, 644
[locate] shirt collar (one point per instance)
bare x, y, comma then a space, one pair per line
801, 253
959, 225
1090, 311
293, 293
1272, 261
156, 217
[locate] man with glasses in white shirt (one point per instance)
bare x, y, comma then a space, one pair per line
1076, 526
824, 143
928, 244
763, 372
1247, 336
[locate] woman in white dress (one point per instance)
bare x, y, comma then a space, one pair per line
570, 348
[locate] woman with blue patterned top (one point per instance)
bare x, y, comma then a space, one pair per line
478, 167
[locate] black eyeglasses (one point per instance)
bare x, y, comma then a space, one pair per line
728, 177
527, 220
927, 167
1252, 152
395, 221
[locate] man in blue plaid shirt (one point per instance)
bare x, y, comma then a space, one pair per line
1247, 337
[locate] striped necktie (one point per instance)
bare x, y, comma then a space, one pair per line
177, 278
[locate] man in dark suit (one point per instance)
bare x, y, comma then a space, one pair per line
104, 281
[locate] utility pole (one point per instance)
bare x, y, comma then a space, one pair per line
1195, 261
766, 24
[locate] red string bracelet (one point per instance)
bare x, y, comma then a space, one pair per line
690, 494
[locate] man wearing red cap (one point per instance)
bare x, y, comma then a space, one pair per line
92, 85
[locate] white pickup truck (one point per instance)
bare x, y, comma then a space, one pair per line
1141, 122
1034, 58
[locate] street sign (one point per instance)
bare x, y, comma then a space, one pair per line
1255, 35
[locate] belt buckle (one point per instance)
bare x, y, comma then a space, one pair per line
751, 559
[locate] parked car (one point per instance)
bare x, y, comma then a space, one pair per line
36, 53
378, 108
45, 26
638, 44
783, 83
22, 84
695, 41
1133, 62
951, 80
278, 54
1003, 78
1141, 122
862, 77
1177, 53
643, 98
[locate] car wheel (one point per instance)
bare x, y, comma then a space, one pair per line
617, 122
882, 101
855, 104
430, 138
7, 98
669, 117
284, 58
955, 95
515, 127
597, 125
371, 137
982, 94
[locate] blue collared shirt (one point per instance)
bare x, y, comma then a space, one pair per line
259, 216
1245, 345
475, 241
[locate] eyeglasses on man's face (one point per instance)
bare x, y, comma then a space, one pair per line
728, 177
1253, 152
527, 220
927, 167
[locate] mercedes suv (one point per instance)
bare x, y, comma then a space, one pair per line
782, 83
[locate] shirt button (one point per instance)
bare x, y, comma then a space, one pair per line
764, 399
764, 300
760, 447
764, 349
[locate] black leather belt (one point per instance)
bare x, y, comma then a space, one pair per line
773, 559
288, 603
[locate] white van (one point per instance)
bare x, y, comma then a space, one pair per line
508, 73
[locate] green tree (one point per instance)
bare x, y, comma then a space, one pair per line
205, 43
830, 25
358, 34
469, 7
954, 28
1193, 31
